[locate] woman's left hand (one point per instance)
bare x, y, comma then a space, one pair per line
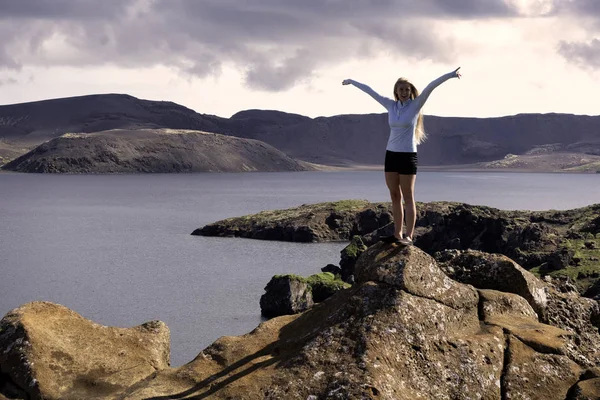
457, 73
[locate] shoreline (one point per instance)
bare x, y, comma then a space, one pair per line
445, 168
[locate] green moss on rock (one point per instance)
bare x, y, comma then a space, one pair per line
321, 285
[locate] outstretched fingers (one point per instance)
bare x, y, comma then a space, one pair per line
458, 75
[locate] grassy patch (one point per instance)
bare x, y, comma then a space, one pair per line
301, 211
321, 285
355, 247
589, 167
587, 269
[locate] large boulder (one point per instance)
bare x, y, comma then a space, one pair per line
50, 352
494, 271
284, 295
292, 294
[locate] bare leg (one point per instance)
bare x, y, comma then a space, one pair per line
407, 187
392, 180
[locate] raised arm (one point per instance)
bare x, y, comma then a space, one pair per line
384, 101
422, 98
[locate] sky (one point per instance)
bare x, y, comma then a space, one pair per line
223, 56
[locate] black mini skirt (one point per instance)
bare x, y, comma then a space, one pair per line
402, 163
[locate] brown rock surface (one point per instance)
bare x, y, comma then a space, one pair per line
413, 270
48, 351
533, 375
586, 390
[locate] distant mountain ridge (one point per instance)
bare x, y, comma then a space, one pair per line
336, 140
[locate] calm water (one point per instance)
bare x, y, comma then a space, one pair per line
118, 250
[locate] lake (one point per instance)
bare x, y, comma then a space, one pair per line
117, 249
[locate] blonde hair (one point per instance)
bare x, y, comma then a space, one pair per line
420, 134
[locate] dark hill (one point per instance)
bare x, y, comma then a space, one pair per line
153, 150
337, 140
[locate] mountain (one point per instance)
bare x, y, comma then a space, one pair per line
339, 140
153, 150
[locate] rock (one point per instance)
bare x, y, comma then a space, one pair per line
350, 254
592, 226
497, 272
371, 238
325, 285
593, 291
581, 317
284, 295
331, 268
413, 270
493, 303
586, 390
534, 375
515, 316
48, 351
292, 294
323, 222
371, 219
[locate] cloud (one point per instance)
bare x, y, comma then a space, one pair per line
277, 43
584, 54
584, 14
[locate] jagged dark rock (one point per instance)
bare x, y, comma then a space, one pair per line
350, 254
292, 294
285, 295
331, 268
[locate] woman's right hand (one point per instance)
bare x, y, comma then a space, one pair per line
346, 82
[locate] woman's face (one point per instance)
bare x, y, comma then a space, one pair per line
403, 91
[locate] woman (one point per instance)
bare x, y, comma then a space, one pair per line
406, 132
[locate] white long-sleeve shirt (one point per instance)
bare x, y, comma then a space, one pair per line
402, 117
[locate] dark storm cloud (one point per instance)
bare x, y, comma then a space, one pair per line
277, 43
61, 9
577, 7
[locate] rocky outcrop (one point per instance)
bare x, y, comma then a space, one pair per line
494, 271
553, 301
404, 331
285, 295
153, 151
556, 243
323, 222
292, 294
48, 351
350, 254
